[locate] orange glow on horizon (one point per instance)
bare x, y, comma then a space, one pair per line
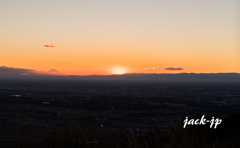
119, 71
91, 38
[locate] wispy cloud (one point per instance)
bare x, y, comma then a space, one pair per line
153, 68
49, 46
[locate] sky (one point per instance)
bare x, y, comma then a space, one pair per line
84, 37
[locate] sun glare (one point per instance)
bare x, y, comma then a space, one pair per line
118, 71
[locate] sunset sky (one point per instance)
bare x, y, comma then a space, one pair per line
126, 36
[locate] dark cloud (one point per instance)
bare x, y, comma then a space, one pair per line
172, 68
49, 46
159, 68
15, 71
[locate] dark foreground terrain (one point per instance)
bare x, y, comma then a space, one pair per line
121, 113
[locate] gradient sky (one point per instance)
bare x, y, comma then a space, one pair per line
96, 36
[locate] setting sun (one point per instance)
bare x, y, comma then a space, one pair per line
119, 71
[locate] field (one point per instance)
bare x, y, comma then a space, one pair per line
129, 107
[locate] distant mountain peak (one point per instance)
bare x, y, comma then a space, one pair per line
53, 72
